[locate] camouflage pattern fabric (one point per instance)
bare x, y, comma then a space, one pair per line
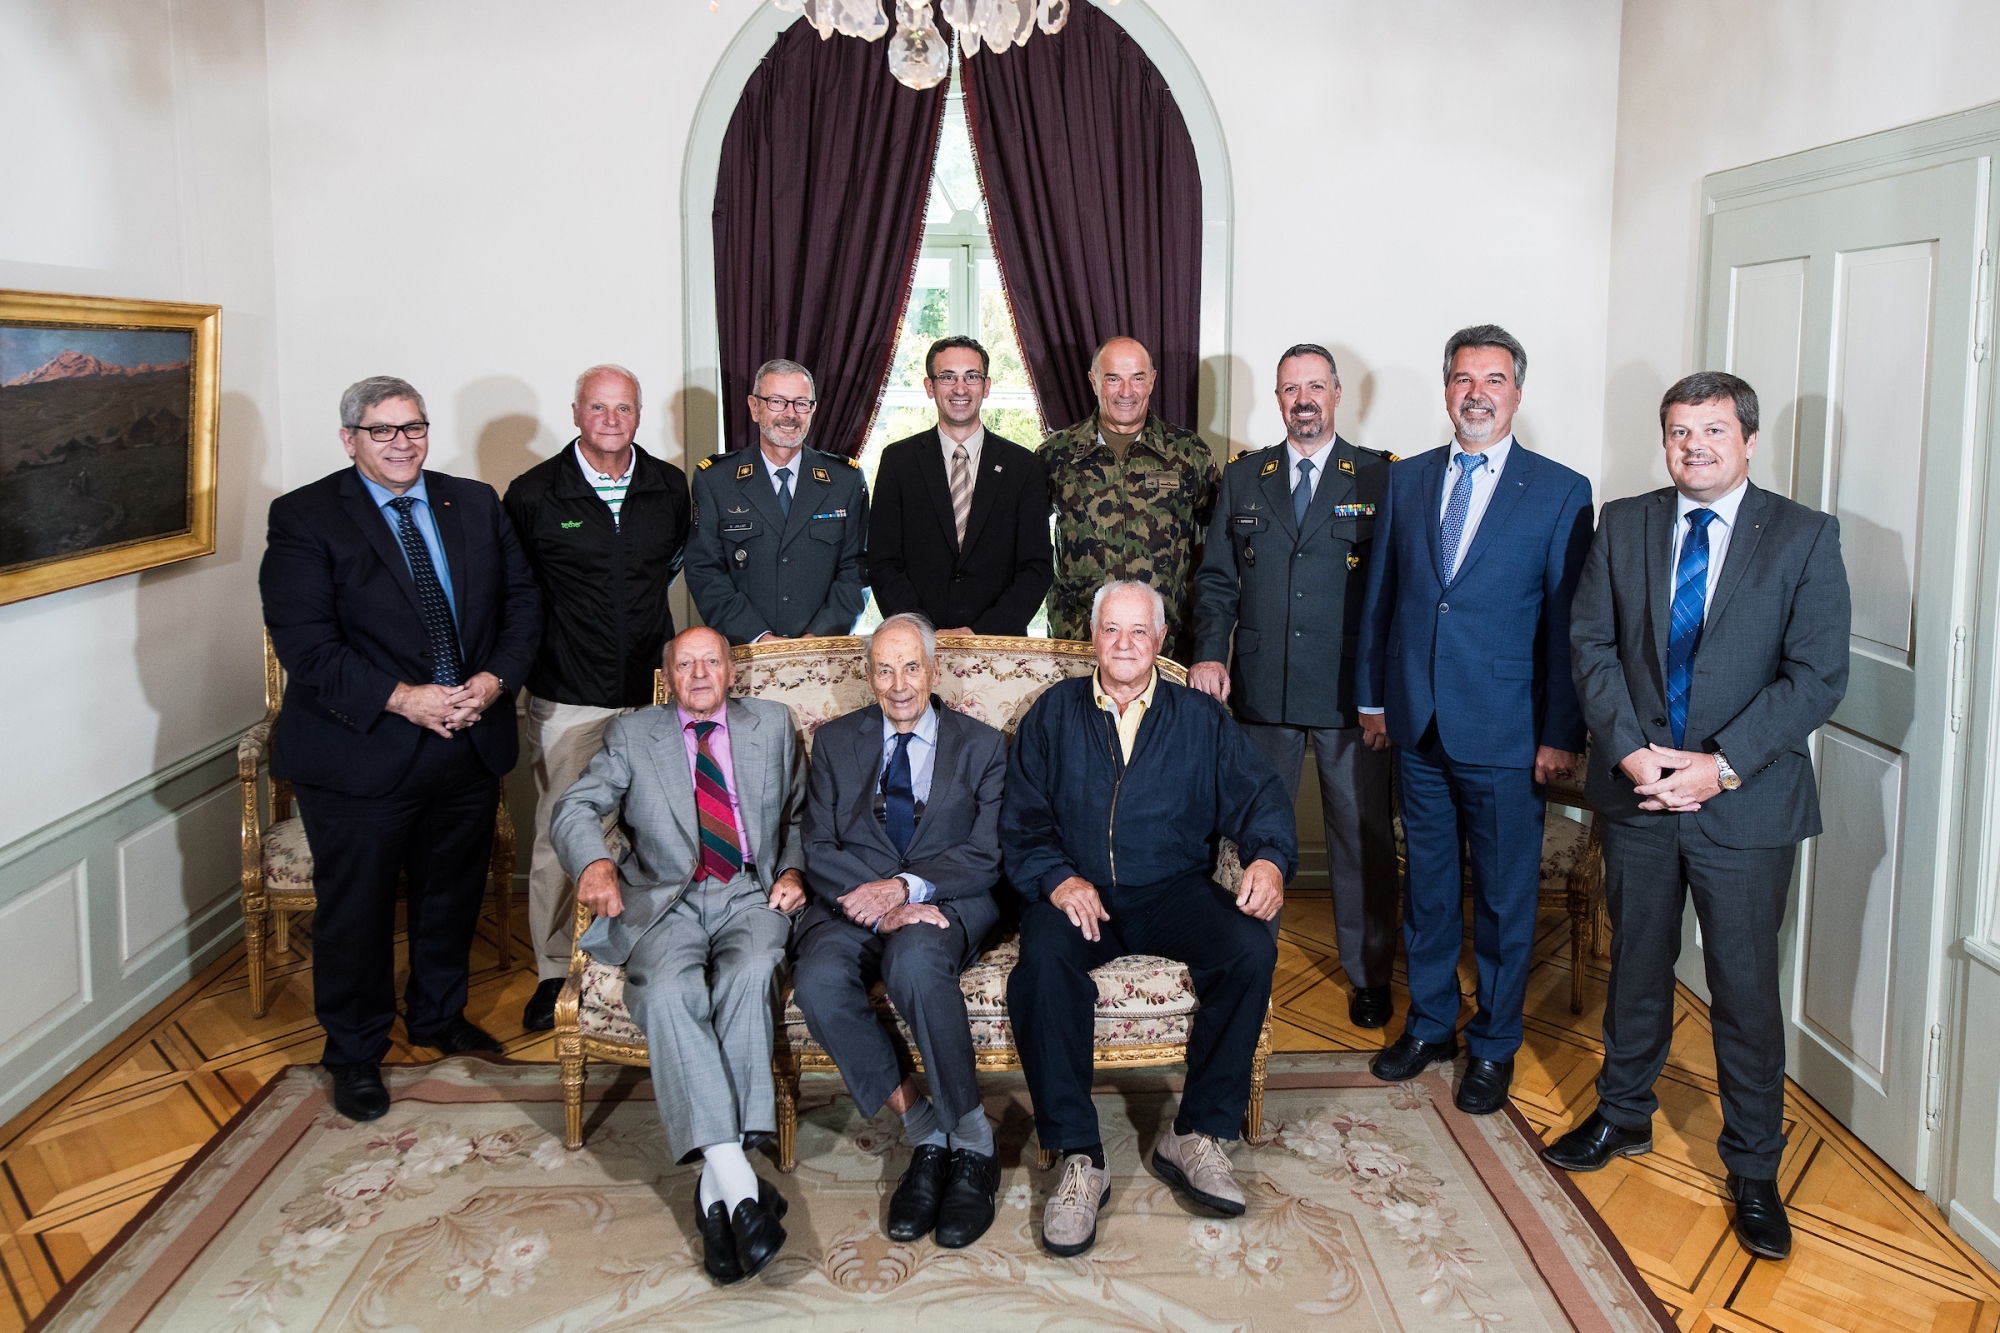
1142, 520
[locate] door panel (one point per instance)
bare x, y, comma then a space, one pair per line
1767, 311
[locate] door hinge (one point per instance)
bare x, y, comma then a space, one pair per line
1960, 669
1982, 333
1933, 1077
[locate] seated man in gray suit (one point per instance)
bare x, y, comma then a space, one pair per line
711, 791
902, 851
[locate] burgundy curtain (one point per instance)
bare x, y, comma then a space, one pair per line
1095, 201
818, 220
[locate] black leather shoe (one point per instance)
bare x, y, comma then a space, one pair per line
1483, 1089
457, 1037
758, 1235
1761, 1223
718, 1242
1406, 1057
1592, 1145
539, 1014
358, 1092
1370, 1006
967, 1209
913, 1208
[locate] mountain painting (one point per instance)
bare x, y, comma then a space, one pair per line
94, 439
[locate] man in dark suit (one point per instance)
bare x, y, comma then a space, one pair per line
902, 836
1285, 569
402, 607
1710, 641
1464, 667
959, 528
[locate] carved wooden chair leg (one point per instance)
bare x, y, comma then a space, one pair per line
569, 1053
502, 866
282, 932
1046, 1158
253, 948
786, 1082
1579, 937
1253, 1114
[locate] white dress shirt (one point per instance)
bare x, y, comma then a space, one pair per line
972, 442
1485, 481
923, 762
1292, 460
1720, 529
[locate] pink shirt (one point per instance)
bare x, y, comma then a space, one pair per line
718, 746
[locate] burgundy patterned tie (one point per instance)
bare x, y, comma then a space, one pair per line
721, 845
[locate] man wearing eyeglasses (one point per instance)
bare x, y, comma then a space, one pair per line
404, 611
779, 529
960, 525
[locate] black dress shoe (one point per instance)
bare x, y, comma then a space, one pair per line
457, 1037
1407, 1057
967, 1209
358, 1092
1370, 1006
1592, 1144
758, 1235
913, 1208
539, 1014
718, 1242
1483, 1089
1761, 1223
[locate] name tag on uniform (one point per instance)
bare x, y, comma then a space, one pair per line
1354, 511
1247, 521
1164, 481
728, 528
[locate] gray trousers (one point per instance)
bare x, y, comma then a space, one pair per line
838, 963
710, 1038
1360, 836
1739, 898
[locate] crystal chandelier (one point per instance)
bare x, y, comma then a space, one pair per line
920, 55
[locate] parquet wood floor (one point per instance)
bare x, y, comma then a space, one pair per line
1871, 1254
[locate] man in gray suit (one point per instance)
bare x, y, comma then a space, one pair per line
711, 790
902, 851
1286, 568
1709, 637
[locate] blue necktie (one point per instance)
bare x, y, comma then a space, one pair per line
1690, 601
785, 491
1455, 511
447, 666
1302, 494
899, 803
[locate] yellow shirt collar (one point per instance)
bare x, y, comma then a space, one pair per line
1104, 700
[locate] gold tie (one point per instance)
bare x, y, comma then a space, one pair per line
961, 490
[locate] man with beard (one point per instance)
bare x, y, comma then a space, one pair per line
779, 530
1464, 667
1285, 569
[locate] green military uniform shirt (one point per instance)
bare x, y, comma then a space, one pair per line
1140, 520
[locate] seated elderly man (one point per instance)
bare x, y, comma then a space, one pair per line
1119, 786
698, 914
902, 851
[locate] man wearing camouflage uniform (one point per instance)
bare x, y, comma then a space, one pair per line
1132, 496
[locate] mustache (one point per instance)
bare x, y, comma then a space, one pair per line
1476, 404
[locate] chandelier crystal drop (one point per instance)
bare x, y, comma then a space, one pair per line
919, 52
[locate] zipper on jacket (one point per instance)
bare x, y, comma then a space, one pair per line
1111, 829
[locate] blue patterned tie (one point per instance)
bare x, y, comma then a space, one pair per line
1456, 509
899, 805
1690, 601
447, 666
1302, 494
785, 491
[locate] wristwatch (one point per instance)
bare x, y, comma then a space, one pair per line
1726, 774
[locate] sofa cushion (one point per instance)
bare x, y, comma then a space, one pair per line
1563, 841
288, 861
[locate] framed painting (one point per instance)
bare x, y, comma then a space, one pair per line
107, 437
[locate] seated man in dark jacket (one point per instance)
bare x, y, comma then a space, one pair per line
1118, 787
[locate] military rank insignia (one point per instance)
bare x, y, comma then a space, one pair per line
854, 463
821, 474
1395, 458
1353, 560
1354, 511
1269, 468
705, 463
1347, 466
748, 469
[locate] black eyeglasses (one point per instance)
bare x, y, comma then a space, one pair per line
800, 405
971, 379
415, 430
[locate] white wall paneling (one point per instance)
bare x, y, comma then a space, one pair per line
175, 871
44, 958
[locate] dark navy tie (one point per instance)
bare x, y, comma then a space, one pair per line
1456, 509
899, 799
1302, 494
785, 491
1690, 601
447, 667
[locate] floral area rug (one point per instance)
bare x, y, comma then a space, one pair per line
1371, 1207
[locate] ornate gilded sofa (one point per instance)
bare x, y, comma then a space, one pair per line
1144, 1004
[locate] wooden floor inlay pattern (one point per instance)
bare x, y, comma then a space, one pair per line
1871, 1253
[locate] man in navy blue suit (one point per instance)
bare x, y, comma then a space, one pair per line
1464, 668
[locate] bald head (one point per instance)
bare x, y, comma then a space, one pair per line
1122, 375
700, 671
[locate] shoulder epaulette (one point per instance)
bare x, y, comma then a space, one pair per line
853, 463
1393, 458
708, 462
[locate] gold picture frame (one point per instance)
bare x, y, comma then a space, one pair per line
107, 453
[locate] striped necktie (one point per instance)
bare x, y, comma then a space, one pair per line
961, 490
721, 845
1690, 605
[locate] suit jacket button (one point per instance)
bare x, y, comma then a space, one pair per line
1659, 722
1444, 606
784, 560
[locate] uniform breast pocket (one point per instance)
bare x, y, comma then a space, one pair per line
827, 529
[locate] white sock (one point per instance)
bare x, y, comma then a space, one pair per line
726, 1176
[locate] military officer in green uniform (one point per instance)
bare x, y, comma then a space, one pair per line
779, 529
1132, 496
1285, 568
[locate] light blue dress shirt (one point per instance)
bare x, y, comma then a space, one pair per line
420, 514
923, 762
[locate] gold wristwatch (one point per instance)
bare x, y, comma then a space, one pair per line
1726, 774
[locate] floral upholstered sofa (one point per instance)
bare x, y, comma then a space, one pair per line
1144, 1004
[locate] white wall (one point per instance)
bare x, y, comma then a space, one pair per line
1721, 83
137, 165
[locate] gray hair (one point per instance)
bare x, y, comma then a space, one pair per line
1487, 335
906, 620
777, 365
1129, 585
1314, 349
609, 368
376, 389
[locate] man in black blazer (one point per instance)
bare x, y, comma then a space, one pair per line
902, 840
1709, 635
401, 606
960, 525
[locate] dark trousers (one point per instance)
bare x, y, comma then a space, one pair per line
438, 827
1498, 811
1360, 836
838, 963
1739, 899
1052, 1001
